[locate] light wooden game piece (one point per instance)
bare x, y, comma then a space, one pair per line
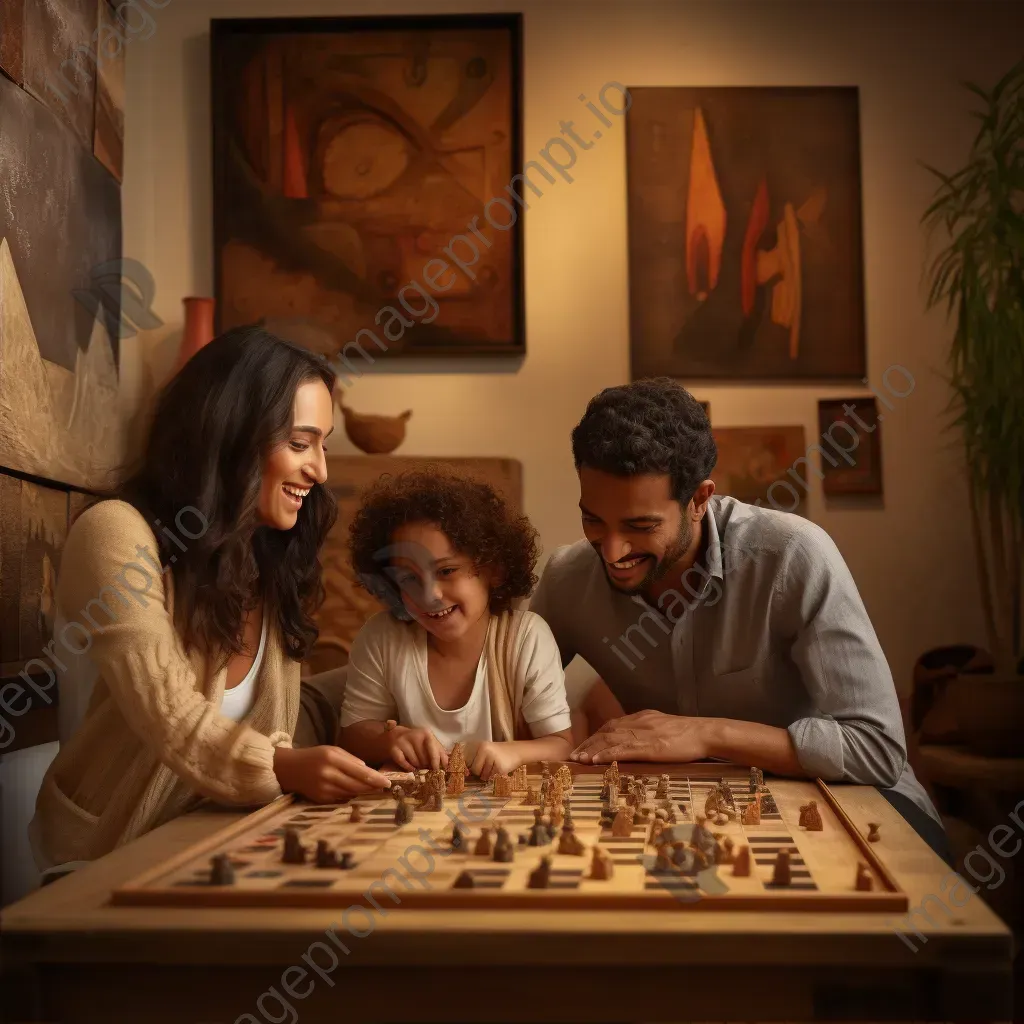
532, 797
622, 826
222, 871
601, 866
484, 846
781, 872
456, 777
501, 786
570, 843
464, 881
873, 835
357, 815
741, 862
661, 793
752, 812
520, 779
564, 776
863, 882
756, 780
810, 817
294, 851
540, 876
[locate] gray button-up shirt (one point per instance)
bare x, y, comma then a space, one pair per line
769, 628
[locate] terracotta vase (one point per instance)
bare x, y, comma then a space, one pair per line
198, 328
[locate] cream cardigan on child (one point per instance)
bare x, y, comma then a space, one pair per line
153, 742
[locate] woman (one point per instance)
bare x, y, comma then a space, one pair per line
190, 589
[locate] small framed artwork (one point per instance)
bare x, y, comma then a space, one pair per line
851, 446
762, 466
364, 199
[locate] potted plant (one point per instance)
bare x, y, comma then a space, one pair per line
979, 277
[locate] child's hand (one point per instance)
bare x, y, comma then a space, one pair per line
495, 759
324, 774
417, 748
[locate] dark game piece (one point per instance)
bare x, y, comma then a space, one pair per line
357, 815
810, 817
702, 839
524, 839
781, 874
725, 791
294, 851
464, 881
456, 837
540, 834
873, 835
606, 792
768, 804
504, 851
325, 856
222, 871
863, 882
540, 876
347, 863
756, 779
403, 811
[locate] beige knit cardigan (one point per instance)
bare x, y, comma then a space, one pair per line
153, 742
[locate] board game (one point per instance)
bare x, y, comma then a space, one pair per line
639, 836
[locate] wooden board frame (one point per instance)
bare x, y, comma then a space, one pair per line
145, 890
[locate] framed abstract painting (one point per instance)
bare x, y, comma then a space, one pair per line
361, 174
745, 240
851, 464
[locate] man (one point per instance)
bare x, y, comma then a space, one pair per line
724, 630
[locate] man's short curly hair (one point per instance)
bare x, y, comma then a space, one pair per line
477, 521
651, 426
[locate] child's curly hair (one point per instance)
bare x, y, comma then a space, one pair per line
477, 521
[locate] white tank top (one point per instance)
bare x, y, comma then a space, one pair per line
238, 701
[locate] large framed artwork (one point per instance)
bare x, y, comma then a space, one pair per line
364, 203
745, 236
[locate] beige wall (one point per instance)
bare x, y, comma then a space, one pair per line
910, 559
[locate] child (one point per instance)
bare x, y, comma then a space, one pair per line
451, 661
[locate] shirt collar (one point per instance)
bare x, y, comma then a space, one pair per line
713, 545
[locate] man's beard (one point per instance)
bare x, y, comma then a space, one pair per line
662, 566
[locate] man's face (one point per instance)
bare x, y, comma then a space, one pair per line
635, 525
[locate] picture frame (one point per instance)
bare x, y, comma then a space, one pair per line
851, 448
353, 156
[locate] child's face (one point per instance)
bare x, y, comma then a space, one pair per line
441, 588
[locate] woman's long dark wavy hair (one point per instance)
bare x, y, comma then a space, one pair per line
214, 424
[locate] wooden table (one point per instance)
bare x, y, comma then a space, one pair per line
84, 961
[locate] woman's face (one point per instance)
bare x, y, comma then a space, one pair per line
296, 465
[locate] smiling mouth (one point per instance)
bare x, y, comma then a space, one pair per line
626, 564
295, 494
442, 614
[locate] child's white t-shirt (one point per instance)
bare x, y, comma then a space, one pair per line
387, 678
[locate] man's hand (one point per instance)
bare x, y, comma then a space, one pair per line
495, 759
416, 748
324, 774
645, 736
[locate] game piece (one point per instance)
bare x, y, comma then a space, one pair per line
433, 800
722, 818
601, 865
540, 876
557, 815
539, 830
606, 792
696, 859
781, 872
532, 797
724, 852
664, 860
567, 821
357, 815
701, 839
403, 810
520, 779
347, 862
658, 825
464, 881
294, 851
768, 805
622, 826
524, 839
725, 793
741, 862
611, 773
484, 846
456, 777
325, 856
570, 843
643, 814
456, 840
873, 835
810, 817
545, 789
756, 779
625, 782
501, 785
673, 815
863, 882
564, 776
711, 804
222, 871
752, 812
661, 793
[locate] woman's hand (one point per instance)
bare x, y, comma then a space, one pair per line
495, 759
416, 748
325, 774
